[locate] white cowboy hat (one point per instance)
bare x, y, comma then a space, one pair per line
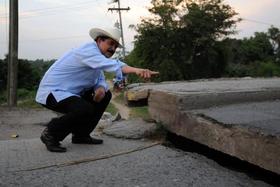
113, 33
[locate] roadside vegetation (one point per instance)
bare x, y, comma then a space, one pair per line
134, 112
112, 109
190, 39
140, 112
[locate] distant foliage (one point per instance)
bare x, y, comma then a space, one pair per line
256, 56
188, 39
29, 73
181, 40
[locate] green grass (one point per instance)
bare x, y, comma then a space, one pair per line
120, 98
135, 112
28, 103
25, 98
140, 112
111, 109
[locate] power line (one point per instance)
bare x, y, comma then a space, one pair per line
58, 7
257, 21
81, 36
51, 9
55, 38
50, 13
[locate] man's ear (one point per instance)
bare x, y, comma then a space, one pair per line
97, 40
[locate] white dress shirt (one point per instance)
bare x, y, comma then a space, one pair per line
78, 70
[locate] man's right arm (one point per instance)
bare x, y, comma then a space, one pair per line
144, 73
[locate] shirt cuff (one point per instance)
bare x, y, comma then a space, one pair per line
101, 84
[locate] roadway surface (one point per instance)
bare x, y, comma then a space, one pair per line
24, 161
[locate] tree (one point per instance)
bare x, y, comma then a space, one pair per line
28, 77
29, 73
274, 35
182, 39
3, 74
249, 50
253, 56
257, 48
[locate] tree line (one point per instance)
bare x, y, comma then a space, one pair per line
190, 39
183, 40
30, 73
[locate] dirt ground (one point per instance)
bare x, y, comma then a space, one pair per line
122, 109
24, 123
27, 123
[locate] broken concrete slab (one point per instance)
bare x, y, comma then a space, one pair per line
218, 113
131, 129
263, 117
209, 92
245, 144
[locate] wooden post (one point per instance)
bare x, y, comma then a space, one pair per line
13, 54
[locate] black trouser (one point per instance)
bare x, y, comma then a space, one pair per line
81, 114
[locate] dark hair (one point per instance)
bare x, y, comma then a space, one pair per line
101, 37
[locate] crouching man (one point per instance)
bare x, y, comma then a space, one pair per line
75, 86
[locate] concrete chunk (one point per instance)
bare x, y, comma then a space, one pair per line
244, 143
237, 117
131, 129
206, 93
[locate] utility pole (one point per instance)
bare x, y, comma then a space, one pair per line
119, 9
13, 54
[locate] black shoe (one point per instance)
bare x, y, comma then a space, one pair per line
86, 140
50, 142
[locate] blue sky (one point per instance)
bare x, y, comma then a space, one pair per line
48, 28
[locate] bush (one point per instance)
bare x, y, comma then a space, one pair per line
26, 98
3, 97
23, 93
268, 69
237, 70
255, 69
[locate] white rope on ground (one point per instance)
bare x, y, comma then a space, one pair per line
102, 157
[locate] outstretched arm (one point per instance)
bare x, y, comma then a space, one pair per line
144, 73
